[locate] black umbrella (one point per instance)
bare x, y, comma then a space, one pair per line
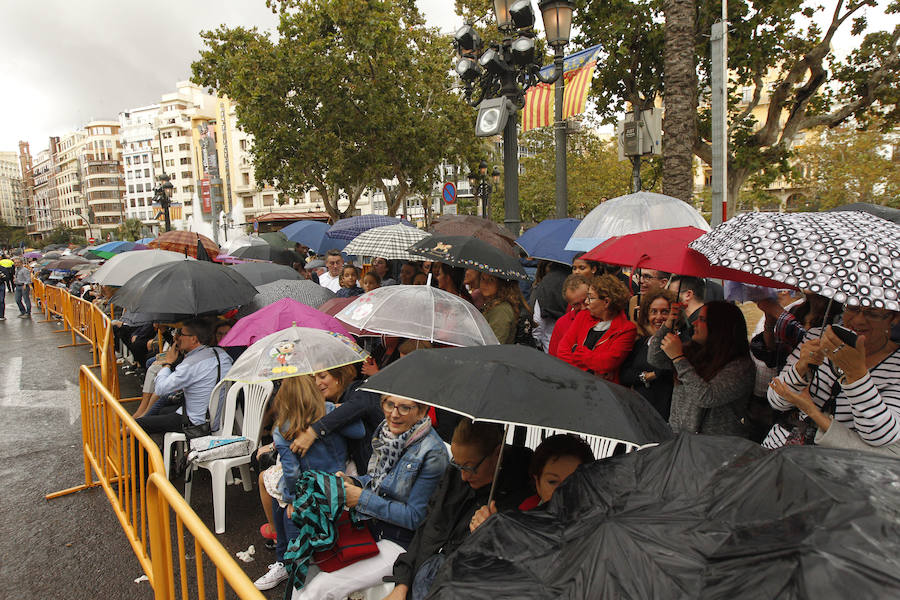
270, 253
885, 212
697, 517
469, 253
259, 273
522, 386
189, 287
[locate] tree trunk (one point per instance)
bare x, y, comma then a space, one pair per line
680, 98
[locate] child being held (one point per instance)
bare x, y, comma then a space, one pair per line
349, 289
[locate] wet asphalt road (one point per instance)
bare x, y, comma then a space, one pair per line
73, 547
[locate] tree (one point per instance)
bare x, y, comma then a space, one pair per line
131, 230
11, 236
845, 165
680, 118
349, 94
786, 65
62, 234
593, 169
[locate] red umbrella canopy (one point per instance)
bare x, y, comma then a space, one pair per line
334, 306
667, 250
185, 242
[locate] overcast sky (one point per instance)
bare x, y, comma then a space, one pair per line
63, 63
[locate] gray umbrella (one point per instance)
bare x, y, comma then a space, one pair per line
259, 273
304, 291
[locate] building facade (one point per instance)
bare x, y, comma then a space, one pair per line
69, 189
12, 207
138, 132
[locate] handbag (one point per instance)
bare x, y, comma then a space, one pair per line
353, 543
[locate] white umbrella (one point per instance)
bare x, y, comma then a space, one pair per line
390, 242
242, 242
294, 351
633, 213
419, 312
122, 267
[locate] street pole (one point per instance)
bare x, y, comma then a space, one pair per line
719, 106
511, 174
559, 132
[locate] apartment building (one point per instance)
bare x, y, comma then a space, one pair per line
102, 177
42, 212
69, 190
138, 133
12, 207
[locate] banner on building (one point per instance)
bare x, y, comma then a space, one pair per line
206, 195
208, 149
578, 70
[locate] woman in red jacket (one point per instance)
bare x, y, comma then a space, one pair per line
601, 337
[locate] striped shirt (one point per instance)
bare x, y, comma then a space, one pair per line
870, 406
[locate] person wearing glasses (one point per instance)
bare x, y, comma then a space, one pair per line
601, 337
858, 386
199, 371
463, 489
408, 460
648, 281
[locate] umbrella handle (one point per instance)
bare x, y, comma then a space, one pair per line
497, 467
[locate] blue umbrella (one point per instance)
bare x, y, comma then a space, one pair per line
145, 240
348, 229
313, 235
118, 246
547, 240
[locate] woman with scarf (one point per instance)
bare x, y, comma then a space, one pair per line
408, 460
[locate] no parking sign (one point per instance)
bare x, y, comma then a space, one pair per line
449, 193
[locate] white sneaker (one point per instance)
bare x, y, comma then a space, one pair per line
277, 573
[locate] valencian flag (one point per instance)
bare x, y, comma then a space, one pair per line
578, 69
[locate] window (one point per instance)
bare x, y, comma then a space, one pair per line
128, 160
246, 177
188, 189
747, 94
184, 146
268, 200
243, 144
132, 203
146, 172
186, 161
146, 159
185, 174
130, 189
248, 201
140, 187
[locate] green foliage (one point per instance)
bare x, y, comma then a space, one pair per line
10, 236
63, 235
593, 169
782, 58
846, 165
346, 95
131, 230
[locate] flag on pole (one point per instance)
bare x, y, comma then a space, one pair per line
578, 69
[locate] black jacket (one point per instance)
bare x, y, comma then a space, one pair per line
354, 405
659, 392
451, 508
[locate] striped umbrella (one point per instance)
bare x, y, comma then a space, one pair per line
184, 242
390, 242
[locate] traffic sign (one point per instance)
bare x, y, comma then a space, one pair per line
449, 193
91, 240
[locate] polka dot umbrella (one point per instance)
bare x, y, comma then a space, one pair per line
852, 257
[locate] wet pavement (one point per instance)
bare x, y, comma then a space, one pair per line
73, 546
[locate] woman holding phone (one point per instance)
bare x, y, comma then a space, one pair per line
856, 383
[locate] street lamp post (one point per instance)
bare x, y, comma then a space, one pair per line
482, 187
497, 78
163, 196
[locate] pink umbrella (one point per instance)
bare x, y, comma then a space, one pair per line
277, 316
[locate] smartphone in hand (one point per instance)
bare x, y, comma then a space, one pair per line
848, 336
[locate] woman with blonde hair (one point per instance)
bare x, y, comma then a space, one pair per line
298, 403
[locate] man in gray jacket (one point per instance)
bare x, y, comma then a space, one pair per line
23, 289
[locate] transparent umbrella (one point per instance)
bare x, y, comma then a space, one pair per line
419, 312
633, 213
294, 351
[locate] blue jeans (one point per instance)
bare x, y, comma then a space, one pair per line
285, 529
3, 299
23, 299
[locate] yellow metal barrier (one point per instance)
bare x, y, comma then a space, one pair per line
81, 324
162, 498
122, 459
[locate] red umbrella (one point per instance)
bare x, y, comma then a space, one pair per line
185, 242
334, 306
667, 250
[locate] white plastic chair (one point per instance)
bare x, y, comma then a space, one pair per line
256, 398
173, 437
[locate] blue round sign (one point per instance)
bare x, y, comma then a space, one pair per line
449, 193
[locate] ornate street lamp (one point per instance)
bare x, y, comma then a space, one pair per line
482, 187
496, 79
163, 196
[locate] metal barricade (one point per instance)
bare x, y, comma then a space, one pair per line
163, 499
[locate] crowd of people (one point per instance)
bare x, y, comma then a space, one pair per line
420, 478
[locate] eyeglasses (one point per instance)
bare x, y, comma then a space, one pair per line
183, 333
590, 299
389, 406
645, 276
469, 470
869, 313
